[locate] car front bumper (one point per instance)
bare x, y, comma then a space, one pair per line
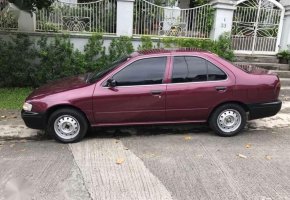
33, 120
261, 110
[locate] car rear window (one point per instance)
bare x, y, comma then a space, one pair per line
215, 73
195, 69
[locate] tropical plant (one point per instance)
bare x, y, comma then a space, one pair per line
196, 3
221, 47
120, 47
17, 55
146, 43
7, 21
283, 56
38, 62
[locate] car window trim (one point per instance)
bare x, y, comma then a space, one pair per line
159, 84
172, 63
170, 83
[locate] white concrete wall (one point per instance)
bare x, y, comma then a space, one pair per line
285, 39
223, 18
78, 40
26, 21
69, 1
125, 17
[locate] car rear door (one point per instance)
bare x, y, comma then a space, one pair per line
139, 96
197, 85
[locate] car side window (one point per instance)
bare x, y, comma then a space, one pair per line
142, 72
195, 69
215, 73
189, 69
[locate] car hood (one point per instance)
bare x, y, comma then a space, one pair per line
59, 86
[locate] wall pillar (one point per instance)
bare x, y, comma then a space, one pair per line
285, 37
26, 21
223, 17
125, 17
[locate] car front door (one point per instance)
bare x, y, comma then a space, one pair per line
138, 97
197, 85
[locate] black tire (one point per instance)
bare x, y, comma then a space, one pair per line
223, 109
76, 120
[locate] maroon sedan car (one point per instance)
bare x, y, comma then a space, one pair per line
155, 87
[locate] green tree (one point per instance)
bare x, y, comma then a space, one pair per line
196, 3
31, 5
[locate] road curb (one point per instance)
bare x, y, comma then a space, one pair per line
10, 132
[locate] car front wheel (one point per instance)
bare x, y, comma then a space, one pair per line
67, 125
228, 120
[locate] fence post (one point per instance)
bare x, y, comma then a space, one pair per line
125, 17
26, 21
285, 37
223, 17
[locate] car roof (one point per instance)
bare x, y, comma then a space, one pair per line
167, 51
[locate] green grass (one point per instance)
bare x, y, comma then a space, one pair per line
13, 98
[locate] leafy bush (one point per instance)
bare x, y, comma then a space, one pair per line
146, 43
56, 59
31, 5
284, 54
16, 60
31, 63
119, 47
187, 42
94, 52
221, 47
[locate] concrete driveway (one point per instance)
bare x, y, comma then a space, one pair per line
176, 162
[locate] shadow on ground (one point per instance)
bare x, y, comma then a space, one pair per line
128, 131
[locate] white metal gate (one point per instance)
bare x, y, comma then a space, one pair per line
95, 16
257, 26
151, 19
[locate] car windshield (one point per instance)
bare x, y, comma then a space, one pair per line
97, 75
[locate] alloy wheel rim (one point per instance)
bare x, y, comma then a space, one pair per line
229, 120
66, 127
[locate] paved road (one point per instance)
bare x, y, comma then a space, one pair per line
177, 162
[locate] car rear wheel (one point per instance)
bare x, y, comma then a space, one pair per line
67, 125
228, 120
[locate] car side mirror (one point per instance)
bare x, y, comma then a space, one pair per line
111, 83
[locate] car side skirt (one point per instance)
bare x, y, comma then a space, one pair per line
149, 123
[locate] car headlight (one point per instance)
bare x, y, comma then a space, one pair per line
27, 106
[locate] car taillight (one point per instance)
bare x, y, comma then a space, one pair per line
277, 88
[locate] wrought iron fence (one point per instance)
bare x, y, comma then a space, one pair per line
8, 21
99, 16
256, 27
151, 19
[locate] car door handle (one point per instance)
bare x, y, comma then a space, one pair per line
221, 88
156, 92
